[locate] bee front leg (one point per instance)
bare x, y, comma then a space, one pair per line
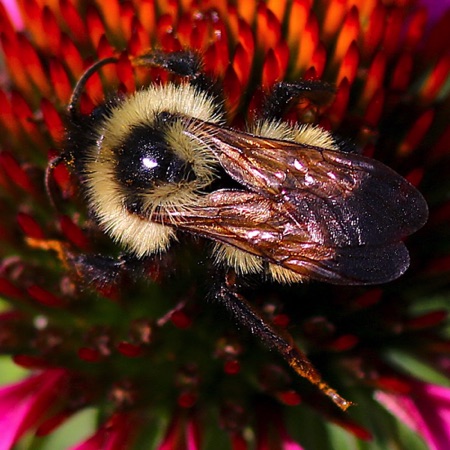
284, 95
273, 338
184, 63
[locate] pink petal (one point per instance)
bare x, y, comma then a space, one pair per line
272, 431
192, 436
13, 12
93, 443
436, 8
171, 437
291, 445
182, 432
22, 404
425, 410
287, 442
114, 435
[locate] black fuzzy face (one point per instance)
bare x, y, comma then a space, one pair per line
145, 160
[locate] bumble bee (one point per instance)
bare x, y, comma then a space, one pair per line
299, 207
276, 199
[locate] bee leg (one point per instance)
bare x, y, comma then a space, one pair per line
273, 338
184, 63
97, 270
92, 269
284, 95
104, 272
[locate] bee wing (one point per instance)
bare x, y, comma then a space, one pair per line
360, 201
259, 226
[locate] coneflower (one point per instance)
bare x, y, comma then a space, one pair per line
148, 361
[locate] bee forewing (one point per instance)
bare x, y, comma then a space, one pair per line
362, 200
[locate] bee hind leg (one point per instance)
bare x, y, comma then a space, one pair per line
279, 340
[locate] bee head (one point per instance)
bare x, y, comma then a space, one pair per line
134, 156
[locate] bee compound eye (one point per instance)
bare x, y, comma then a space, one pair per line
145, 160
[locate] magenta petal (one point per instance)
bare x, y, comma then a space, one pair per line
23, 404
93, 443
426, 410
273, 433
182, 432
192, 436
13, 12
436, 8
114, 435
289, 444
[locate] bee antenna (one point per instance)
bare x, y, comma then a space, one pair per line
73, 107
